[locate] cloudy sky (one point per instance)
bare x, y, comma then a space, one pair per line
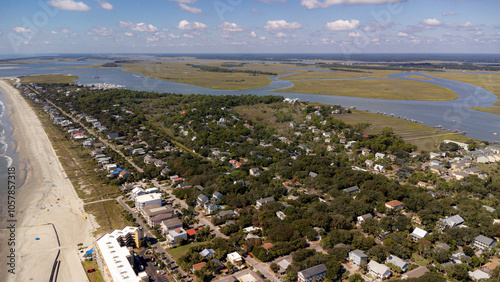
249, 26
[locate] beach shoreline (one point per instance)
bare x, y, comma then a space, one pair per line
47, 205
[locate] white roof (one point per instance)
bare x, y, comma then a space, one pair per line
478, 274
115, 256
420, 233
234, 256
378, 268
284, 264
148, 197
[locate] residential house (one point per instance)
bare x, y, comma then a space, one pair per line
210, 207
478, 275
364, 217
394, 204
379, 156
206, 253
450, 221
358, 257
379, 168
489, 267
483, 243
155, 214
170, 224
146, 200
174, 236
396, 261
198, 266
264, 201
234, 258
352, 190
254, 172
201, 199
283, 264
377, 270
137, 191
418, 234
315, 273
216, 196
281, 215
416, 273
227, 213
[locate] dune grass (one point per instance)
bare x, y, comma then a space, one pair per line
49, 78
398, 89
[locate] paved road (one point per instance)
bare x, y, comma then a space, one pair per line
262, 267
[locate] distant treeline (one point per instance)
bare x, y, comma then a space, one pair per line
358, 68
219, 69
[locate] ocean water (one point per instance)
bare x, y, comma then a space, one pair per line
7, 146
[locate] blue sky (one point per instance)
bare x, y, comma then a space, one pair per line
249, 26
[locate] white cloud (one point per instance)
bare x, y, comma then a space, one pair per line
102, 31
185, 25
342, 25
262, 38
53, 32
281, 35
252, 34
46, 42
281, 25
190, 9
105, 5
141, 27
69, 5
375, 40
0, 32
433, 22
465, 26
450, 13
239, 43
230, 27
67, 31
183, 5
19, 29
173, 36
314, 4
376, 26
354, 34
479, 33
402, 34
188, 36
129, 34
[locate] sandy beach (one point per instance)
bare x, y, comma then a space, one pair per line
47, 197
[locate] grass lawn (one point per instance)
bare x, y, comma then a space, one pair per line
49, 78
380, 89
95, 276
424, 137
419, 77
488, 81
178, 252
491, 110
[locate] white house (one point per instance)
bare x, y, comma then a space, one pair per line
146, 200
234, 258
378, 270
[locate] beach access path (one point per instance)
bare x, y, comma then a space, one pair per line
46, 197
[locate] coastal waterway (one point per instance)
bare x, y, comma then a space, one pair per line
453, 115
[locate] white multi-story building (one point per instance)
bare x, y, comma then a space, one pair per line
146, 200
113, 257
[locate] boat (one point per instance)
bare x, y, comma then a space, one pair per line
96, 74
494, 133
